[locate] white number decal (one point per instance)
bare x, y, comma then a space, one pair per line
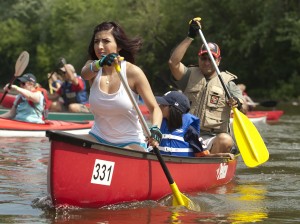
103, 172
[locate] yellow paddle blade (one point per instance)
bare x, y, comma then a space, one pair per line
249, 141
181, 199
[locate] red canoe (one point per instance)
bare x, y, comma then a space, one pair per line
256, 118
272, 115
88, 174
13, 128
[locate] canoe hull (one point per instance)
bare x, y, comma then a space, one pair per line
64, 116
37, 134
88, 174
257, 118
13, 128
272, 115
61, 116
8, 100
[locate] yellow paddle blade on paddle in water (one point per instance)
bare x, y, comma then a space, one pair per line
251, 145
178, 197
181, 199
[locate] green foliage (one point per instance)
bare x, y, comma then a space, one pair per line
259, 39
11, 33
289, 89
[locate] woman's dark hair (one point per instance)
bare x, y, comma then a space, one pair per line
175, 119
129, 46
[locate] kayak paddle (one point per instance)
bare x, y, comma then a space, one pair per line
269, 103
249, 141
20, 66
178, 197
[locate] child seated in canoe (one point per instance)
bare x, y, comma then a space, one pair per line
29, 103
180, 129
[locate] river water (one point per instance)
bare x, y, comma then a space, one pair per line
269, 193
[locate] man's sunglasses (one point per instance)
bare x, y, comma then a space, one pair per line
205, 58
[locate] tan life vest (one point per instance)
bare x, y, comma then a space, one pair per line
209, 100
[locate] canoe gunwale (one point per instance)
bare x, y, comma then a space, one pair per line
80, 141
63, 116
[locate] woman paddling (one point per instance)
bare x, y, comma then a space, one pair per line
116, 121
29, 103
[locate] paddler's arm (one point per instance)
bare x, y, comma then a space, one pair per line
30, 96
89, 71
9, 114
177, 68
138, 82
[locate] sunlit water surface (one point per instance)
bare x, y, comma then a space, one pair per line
268, 194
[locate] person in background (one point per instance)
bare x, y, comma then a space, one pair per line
116, 121
180, 128
72, 90
29, 103
249, 103
55, 81
202, 86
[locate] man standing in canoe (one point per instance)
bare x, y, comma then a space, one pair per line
29, 103
202, 86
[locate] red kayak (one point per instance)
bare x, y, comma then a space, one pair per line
272, 115
8, 100
13, 128
88, 174
257, 117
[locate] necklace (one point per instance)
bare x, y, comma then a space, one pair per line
107, 80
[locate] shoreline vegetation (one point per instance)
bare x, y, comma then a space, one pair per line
264, 53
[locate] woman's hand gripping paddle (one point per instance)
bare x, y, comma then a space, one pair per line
20, 66
249, 141
178, 197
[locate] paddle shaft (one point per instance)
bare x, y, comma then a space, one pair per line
270, 103
178, 197
250, 139
50, 85
144, 124
10, 83
215, 64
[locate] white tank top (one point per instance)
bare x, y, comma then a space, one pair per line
116, 120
